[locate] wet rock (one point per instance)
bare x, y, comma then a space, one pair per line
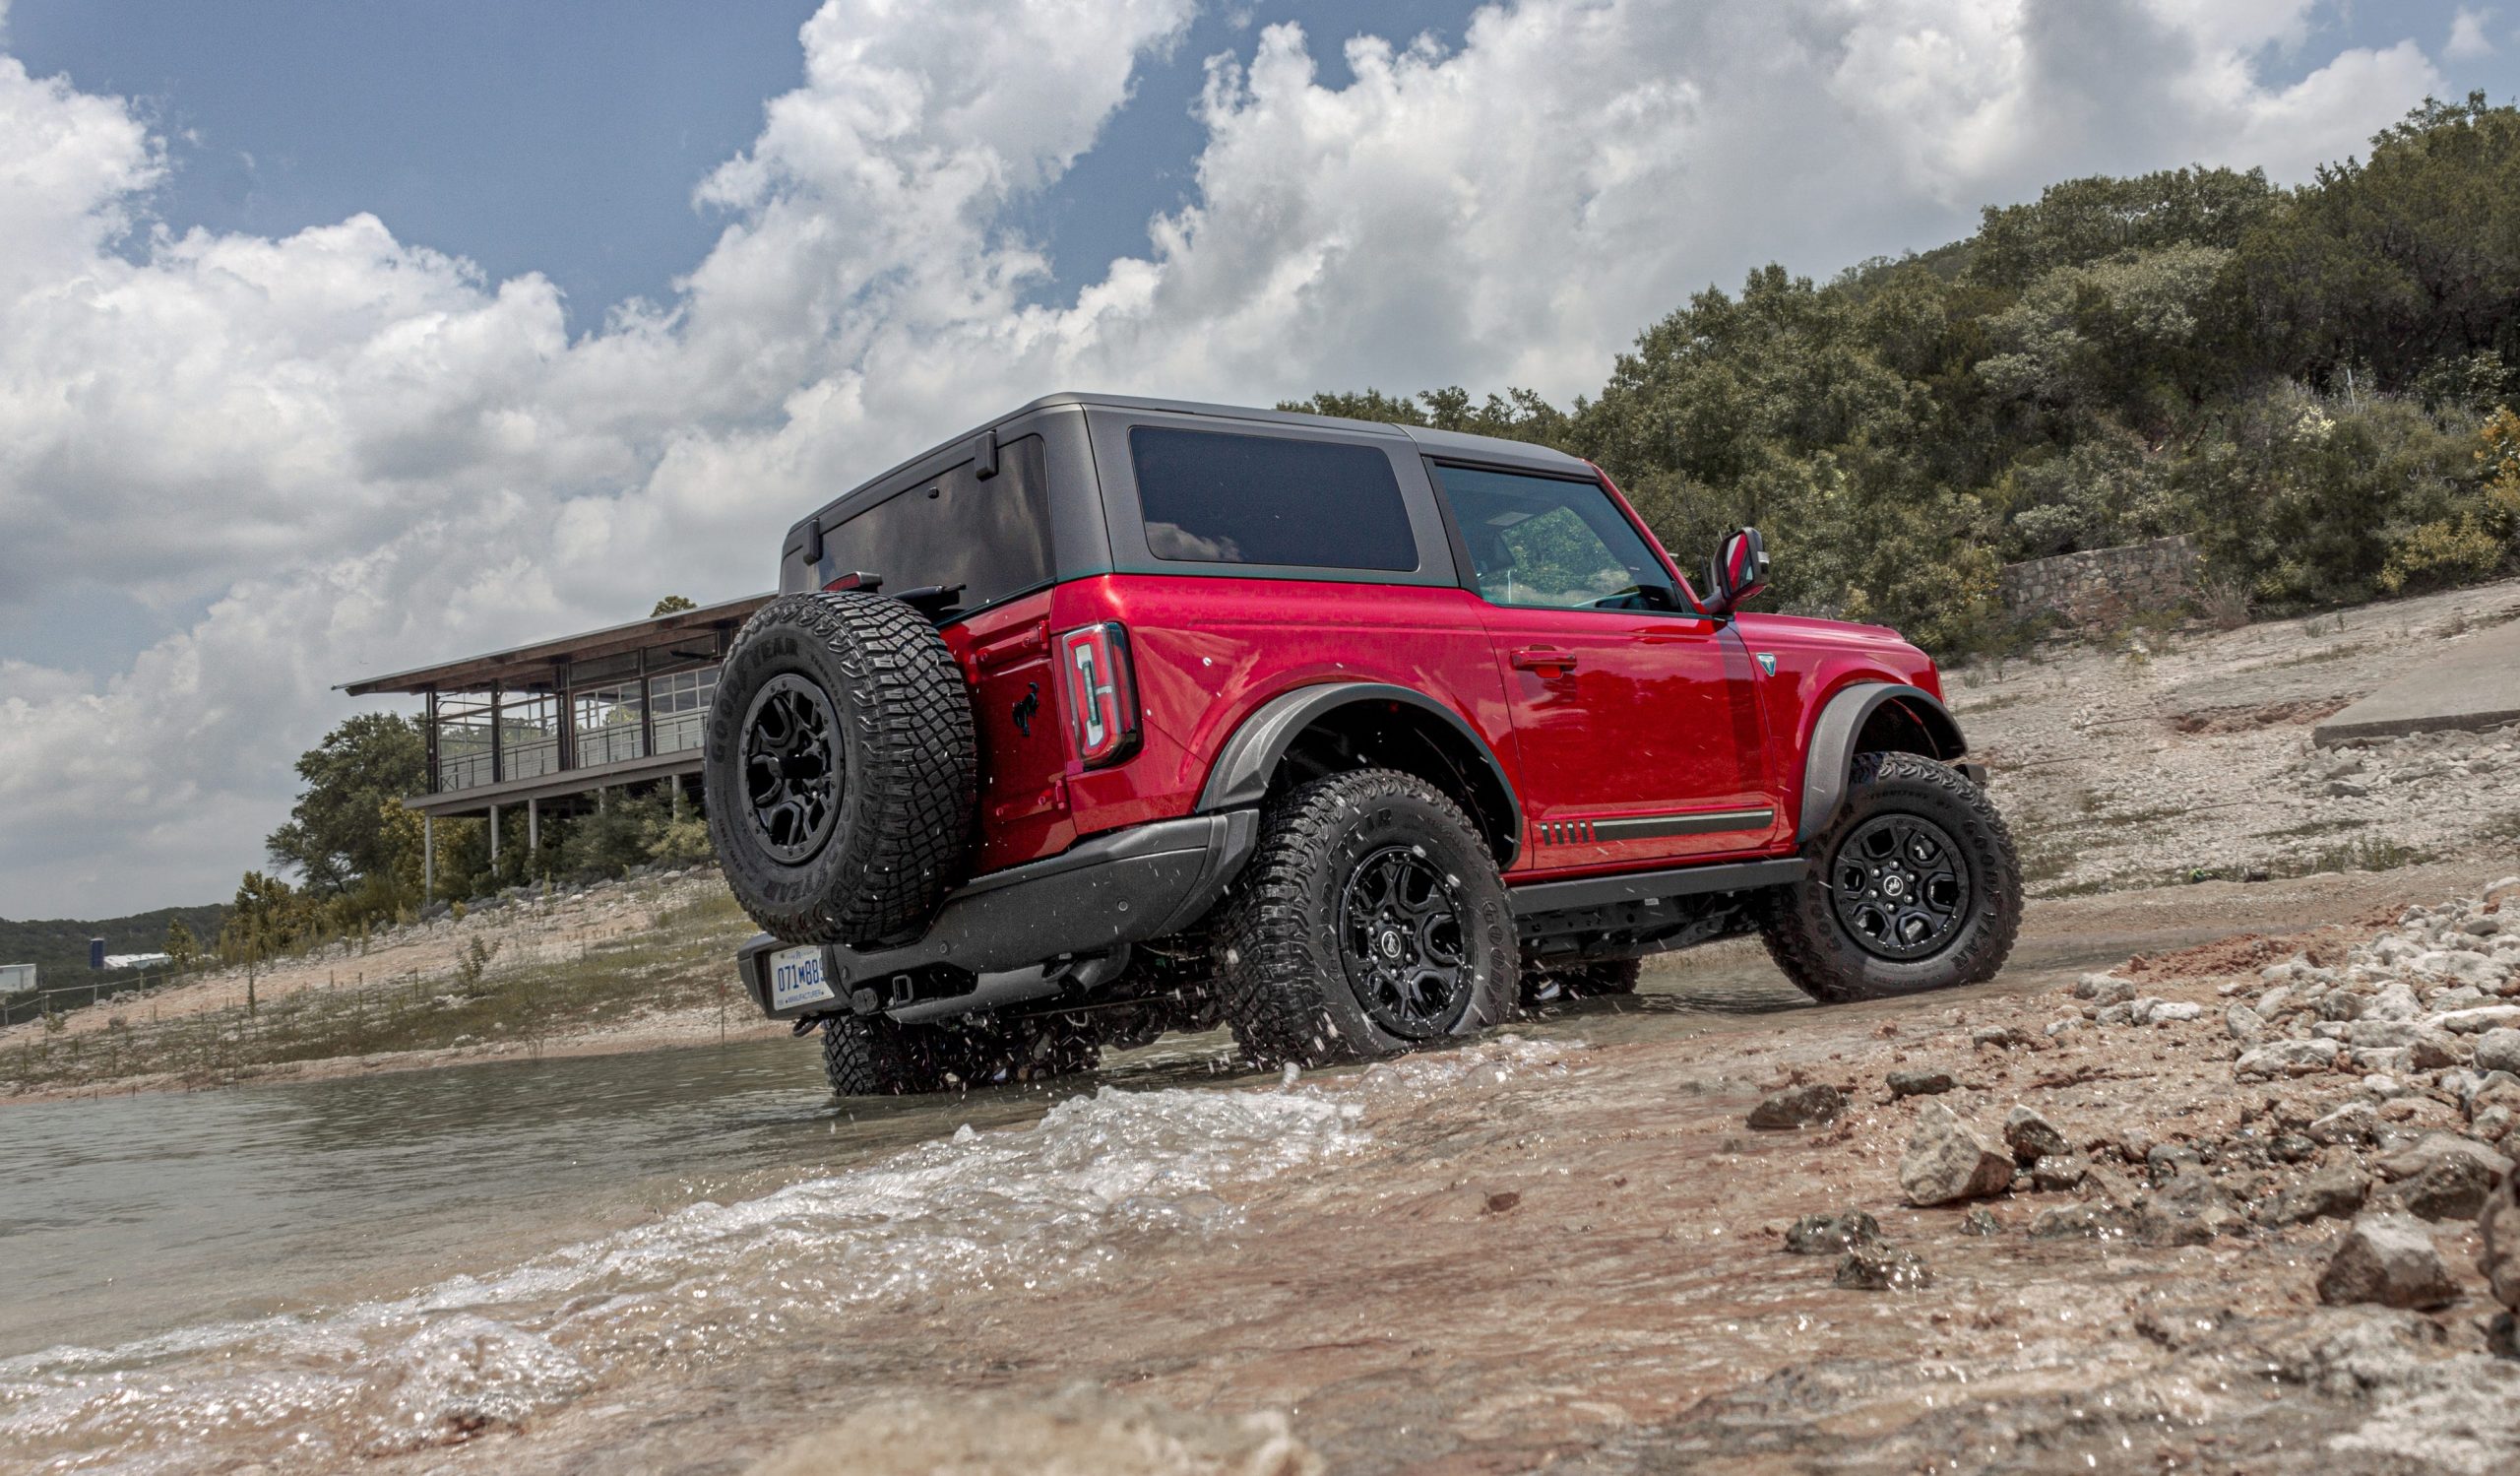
2334, 1192
2058, 1172
2288, 1058
2189, 1210
1946, 1163
2500, 1226
2435, 1148
2291, 1148
1980, 1220
2030, 1137
1880, 1269
2087, 1221
2353, 1123
2387, 1259
2444, 1175
1830, 1235
2498, 1051
2167, 1160
1921, 1083
1800, 1107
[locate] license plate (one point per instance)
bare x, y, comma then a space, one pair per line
796, 978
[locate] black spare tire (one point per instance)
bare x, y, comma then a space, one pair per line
840, 768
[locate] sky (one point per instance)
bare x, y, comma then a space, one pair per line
337, 338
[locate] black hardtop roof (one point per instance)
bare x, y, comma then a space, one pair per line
1438, 443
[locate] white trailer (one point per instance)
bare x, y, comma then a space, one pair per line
17, 979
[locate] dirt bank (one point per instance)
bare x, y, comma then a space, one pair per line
2144, 763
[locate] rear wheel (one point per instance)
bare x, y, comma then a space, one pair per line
1372, 920
870, 1056
1914, 886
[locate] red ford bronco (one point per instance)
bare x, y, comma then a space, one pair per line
1122, 716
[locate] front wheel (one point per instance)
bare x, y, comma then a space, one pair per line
1914, 886
1372, 921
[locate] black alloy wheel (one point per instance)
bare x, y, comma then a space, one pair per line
1900, 886
1400, 938
793, 768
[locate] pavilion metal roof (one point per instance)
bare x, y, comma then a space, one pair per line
535, 663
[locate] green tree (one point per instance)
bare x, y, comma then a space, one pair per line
671, 605
182, 948
333, 837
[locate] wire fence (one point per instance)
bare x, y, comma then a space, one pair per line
53, 999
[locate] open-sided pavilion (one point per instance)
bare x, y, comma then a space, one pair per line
555, 728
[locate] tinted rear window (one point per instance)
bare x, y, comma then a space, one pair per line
992, 537
1215, 497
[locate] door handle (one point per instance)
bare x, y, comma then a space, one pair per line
1542, 658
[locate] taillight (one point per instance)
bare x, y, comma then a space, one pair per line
1101, 692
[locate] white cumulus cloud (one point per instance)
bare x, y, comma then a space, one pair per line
360, 454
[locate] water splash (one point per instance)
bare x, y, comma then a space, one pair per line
1095, 1178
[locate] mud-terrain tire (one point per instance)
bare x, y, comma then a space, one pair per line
1592, 981
1372, 920
1839, 942
840, 768
870, 1056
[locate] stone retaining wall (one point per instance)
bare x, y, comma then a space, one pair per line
2104, 586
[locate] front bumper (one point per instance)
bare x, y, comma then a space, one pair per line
1124, 887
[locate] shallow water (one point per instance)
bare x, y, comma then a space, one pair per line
294, 1273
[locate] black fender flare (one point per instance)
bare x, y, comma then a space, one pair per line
1240, 777
1831, 751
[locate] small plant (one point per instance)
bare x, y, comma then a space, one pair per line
475, 962
2223, 604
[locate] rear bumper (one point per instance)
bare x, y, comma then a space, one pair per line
1124, 887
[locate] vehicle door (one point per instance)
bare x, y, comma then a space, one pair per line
1633, 712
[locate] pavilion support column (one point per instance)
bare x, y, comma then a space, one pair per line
429, 860
494, 835
673, 806
534, 828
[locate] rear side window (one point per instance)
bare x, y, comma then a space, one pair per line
992, 537
1543, 541
1216, 497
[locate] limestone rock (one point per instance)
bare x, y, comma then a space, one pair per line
1830, 1235
2387, 1259
2353, 1123
2334, 1192
2030, 1137
1946, 1163
1879, 1268
1800, 1107
2288, 1058
1921, 1083
2500, 1261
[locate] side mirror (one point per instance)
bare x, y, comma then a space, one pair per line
1739, 570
